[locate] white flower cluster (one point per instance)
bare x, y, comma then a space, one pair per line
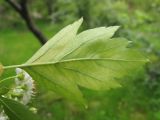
24, 86
3, 116
23, 91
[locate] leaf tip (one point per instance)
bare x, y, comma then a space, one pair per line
115, 28
111, 30
80, 21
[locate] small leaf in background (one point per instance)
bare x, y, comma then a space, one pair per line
4, 90
1, 69
16, 111
91, 59
6, 84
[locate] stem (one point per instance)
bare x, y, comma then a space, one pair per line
12, 66
12, 77
22, 65
72, 60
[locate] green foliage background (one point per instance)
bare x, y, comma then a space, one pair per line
138, 99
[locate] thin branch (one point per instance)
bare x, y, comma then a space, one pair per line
15, 5
22, 9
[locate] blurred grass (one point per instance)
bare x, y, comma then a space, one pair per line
18, 45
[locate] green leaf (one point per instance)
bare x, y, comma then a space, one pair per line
91, 59
63, 41
6, 84
1, 69
16, 111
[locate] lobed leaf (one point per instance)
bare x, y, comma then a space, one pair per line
91, 59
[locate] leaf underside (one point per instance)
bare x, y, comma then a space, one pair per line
92, 59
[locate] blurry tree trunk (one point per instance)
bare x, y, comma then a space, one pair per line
21, 7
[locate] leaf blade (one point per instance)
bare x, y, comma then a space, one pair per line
92, 59
16, 111
56, 43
